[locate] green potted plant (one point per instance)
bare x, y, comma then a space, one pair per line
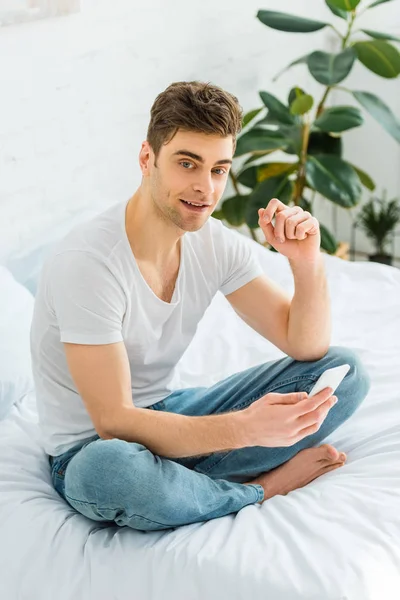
378, 219
310, 133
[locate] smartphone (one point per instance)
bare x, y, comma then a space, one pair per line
330, 378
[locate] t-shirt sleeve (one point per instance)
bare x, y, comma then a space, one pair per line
239, 261
88, 301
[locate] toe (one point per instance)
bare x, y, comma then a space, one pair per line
330, 453
332, 466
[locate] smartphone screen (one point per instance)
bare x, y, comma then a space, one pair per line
330, 378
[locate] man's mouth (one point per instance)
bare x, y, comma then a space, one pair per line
197, 207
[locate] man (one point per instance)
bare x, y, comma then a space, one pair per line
118, 303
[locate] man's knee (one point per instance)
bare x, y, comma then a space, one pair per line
358, 380
103, 469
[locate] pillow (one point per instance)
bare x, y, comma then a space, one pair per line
26, 263
16, 311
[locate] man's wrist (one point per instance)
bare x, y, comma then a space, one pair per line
239, 428
314, 263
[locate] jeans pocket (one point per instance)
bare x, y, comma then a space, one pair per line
204, 466
60, 463
58, 483
158, 405
58, 467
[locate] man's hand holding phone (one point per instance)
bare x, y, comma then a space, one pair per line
285, 419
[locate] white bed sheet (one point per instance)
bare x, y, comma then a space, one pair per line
338, 538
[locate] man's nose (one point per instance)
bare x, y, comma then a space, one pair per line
204, 185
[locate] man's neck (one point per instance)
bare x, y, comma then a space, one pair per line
151, 238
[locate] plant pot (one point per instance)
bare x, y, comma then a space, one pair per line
385, 259
343, 250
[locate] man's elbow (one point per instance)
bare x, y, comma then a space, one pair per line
311, 356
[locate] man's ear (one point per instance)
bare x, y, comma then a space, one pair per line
145, 158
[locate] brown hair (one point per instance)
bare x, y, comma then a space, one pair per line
193, 106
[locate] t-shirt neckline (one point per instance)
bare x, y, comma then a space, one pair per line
176, 296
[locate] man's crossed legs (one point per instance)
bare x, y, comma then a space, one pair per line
125, 484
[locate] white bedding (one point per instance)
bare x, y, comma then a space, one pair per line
336, 539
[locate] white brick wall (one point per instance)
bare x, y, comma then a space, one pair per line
76, 92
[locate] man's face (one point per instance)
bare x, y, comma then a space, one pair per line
192, 167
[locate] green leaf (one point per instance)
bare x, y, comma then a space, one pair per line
379, 57
378, 35
380, 111
322, 143
377, 218
347, 5
336, 11
260, 139
377, 2
364, 178
274, 169
248, 177
302, 104
234, 209
277, 109
250, 116
252, 176
305, 204
257, 155
333, 178
269, 120
274, 187
218, 214
285, 22
294, 93
293, 133
330, 69
328, 241
339, 118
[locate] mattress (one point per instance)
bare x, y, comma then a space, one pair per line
338, 538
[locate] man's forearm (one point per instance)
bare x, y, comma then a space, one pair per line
309, 325
173, 435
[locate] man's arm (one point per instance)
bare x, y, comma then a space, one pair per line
309, 328
301, 326
102, 377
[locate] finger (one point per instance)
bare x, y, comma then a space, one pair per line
291, 398
318, 415
309, 429
308, 227
266, 223
273, 206
302, 434
292, 222
267, 229
311, 403
280, 222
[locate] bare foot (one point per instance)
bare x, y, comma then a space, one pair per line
297, 472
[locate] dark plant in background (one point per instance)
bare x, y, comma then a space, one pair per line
312, 142
378, 218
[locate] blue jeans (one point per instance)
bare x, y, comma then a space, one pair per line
124, 483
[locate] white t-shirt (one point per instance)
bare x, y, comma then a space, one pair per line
91, 291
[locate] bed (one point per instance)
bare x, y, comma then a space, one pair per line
338, 538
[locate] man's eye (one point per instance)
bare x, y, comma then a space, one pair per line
185, 162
